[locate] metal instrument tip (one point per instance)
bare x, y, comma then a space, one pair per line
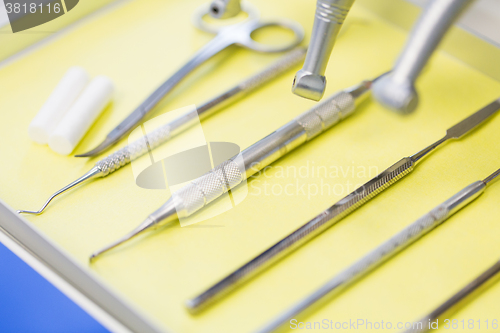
103, 146
148, 223
94, 172
492, 177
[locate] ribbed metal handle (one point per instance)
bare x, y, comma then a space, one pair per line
134, 150
388, 249
333, 10
205, 189
159, 136
363, 266
311, 229
227, 175
385, 251
326, 114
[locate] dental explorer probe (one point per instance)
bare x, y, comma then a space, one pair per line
227, 175
164, 133
334, 214
381, 254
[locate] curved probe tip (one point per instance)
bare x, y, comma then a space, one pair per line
99, 149
94, 172
38, 212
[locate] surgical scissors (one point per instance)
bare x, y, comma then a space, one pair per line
238, 34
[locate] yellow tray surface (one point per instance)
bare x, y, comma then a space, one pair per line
139, 45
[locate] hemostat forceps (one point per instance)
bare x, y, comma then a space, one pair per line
239, 34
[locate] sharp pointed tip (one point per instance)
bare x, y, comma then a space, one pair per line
144, 226
29, 212
106, 249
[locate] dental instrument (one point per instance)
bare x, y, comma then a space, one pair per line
397, 91
164, 133
456, 300
377, 257
335, 213
227, 175
310, 81
238, 34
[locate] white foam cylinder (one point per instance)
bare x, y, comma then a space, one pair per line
58, 103
81, 115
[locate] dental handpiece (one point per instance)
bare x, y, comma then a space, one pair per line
227, 175
164, 133
397, 90
384, 252
334, 214
310, 81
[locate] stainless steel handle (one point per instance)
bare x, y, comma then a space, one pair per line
159, 136
303, 234
134, 150
382, 253
203, 190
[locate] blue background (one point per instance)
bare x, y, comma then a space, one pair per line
29, 303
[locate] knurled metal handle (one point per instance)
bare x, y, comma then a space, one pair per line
306, 232
395, 244
134, 150
366, 264
327, 113
205, 189
387, 250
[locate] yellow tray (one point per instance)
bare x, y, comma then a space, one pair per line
139, 45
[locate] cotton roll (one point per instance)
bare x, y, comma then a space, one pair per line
81, 115
58, 103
